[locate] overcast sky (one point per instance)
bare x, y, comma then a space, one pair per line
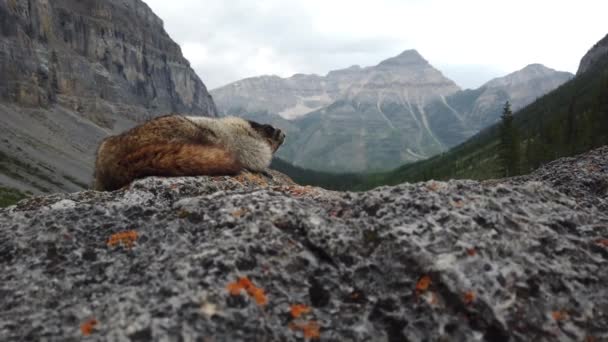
470, 41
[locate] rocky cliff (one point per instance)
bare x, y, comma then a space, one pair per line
595, 54
254, 259
74, 71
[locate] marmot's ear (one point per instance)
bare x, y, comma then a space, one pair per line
254, 125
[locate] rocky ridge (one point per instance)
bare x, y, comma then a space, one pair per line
253, 258
74, 72
379, 117
301, 94
482, 107
595, 54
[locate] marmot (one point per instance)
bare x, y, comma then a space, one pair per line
175, 145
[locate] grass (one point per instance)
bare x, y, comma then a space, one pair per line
10, 196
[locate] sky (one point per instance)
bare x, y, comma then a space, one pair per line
470, 41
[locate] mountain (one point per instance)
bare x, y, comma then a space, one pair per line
594, 55
568, 120
377, 118
301, 94
352, 119
73, 72
482, 107
286, 97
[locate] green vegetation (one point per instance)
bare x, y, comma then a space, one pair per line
570, 120
509, 143
10, 196
325, 180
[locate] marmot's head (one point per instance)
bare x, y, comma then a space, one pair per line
274, 136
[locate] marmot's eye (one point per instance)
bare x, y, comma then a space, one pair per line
268, 129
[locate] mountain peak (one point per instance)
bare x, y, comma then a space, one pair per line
535, 66
526, 74
407, 57
410, 53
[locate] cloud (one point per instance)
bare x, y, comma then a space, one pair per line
469, 40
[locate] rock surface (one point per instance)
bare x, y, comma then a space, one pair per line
522, 259
75, 71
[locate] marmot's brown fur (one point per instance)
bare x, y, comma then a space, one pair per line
185, 146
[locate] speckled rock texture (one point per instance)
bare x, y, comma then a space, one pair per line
521, 259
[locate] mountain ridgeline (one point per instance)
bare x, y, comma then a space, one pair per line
380, 117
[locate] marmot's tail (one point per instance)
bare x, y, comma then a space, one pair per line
172, 160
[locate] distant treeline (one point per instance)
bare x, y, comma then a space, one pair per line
327, 180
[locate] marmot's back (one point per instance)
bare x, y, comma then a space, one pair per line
184, 146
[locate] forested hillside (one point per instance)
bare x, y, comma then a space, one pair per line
567, 121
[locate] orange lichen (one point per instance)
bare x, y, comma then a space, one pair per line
602, 242
87, 327
126, 239
245, 284
241, 284
239, 212
234, 289
298, 309
590, 338
559, 315
423, 284
250, 178
471, 252
259, 295
310, 329
469, 297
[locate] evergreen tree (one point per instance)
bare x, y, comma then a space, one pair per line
509, 143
